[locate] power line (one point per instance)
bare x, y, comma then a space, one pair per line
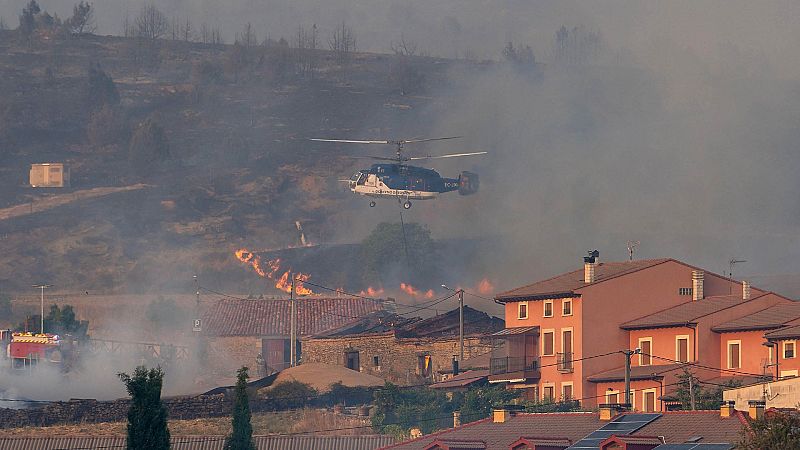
694, 364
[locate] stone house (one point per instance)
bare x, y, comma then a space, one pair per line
404, 351
255, 333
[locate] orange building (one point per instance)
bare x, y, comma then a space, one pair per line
565, 334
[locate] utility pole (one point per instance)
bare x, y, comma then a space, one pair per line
628, 354
461, 326
292, 326
42, 286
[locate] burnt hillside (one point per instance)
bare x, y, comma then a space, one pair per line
239, 170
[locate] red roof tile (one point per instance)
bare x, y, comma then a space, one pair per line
769, 318
240, 317
457, 445
685, 313
566, 284
679, 426
784, 333
463, 379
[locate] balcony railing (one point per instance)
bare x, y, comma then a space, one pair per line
511, 364
564, 362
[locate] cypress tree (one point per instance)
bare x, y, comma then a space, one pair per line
241, 437
147, 416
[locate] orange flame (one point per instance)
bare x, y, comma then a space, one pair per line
485, 287
414, 292
270, 268
372, 292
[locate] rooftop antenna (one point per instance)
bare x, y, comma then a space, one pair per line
732, 263
632, 248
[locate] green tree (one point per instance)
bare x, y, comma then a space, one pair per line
82, 20
27, 20
147, 415
394, 247
774, 430
290, 394
424, 408
689, 384
101, 88
479, 402
241, 437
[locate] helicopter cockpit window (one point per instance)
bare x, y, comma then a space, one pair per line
355, 176
360, 178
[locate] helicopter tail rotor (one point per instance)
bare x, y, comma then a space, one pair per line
468, 183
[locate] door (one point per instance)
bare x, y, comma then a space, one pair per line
649, 401
566, 346
351, 361
272, 352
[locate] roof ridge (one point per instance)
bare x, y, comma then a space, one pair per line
438, 433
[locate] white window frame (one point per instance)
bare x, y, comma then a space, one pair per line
655, 399
544, 308
572, 386
609, 393
519, 310
553, 332
649, 355
728, 352
794, 348
571, 340
547, 385
689, 355
566, 301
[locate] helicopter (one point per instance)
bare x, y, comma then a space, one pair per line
403, 181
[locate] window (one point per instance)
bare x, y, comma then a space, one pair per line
522, 311
566, 308
645, 357
548, 308
548, 343
376, 361
612, 396
566, 391
734, 354
788, 349
684, 291
425, 365
649, 400
548, 393
682, 348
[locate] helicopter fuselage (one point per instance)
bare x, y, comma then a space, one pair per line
402, 181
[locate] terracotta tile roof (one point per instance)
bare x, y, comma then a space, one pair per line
680, 426
458, 445
515, 331
767, 319
566, 284
675, 426
235, 317
463, 379
637, 373
632, 439
499, 436
784, 333
685, 313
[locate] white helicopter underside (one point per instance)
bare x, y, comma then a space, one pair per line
383, 191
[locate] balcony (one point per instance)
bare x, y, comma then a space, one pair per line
513, 368
564, 362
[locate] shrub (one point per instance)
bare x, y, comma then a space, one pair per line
290, 394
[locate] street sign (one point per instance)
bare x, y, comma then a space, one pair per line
197, 325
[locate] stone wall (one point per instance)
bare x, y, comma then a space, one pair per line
93, 411
398, 359
226, 354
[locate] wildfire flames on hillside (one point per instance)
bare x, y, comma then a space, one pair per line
270, 268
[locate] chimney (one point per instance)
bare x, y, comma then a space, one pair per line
589, 265
456, 419
756, 408
697, 285
455, 366
727, 409
500, 415
745, 290
607, 411
415, 433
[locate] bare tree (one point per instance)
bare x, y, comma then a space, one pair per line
247, 38
307, 42
82, 20
343, 42
210, 35
3, 25
151, 23
404, 48
187, 32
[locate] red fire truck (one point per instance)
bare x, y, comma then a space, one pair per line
26, 350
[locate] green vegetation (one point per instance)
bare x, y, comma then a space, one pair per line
147, 416
241, 437
290, 394
774, 430
392, 247
703, 398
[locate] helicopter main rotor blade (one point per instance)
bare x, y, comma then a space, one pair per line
351, 141
414, 141
452, 155
381, 158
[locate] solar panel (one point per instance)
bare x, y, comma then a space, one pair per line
622, 425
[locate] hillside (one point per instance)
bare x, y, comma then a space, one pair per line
240, 171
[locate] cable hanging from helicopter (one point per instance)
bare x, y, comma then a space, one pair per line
406, 182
